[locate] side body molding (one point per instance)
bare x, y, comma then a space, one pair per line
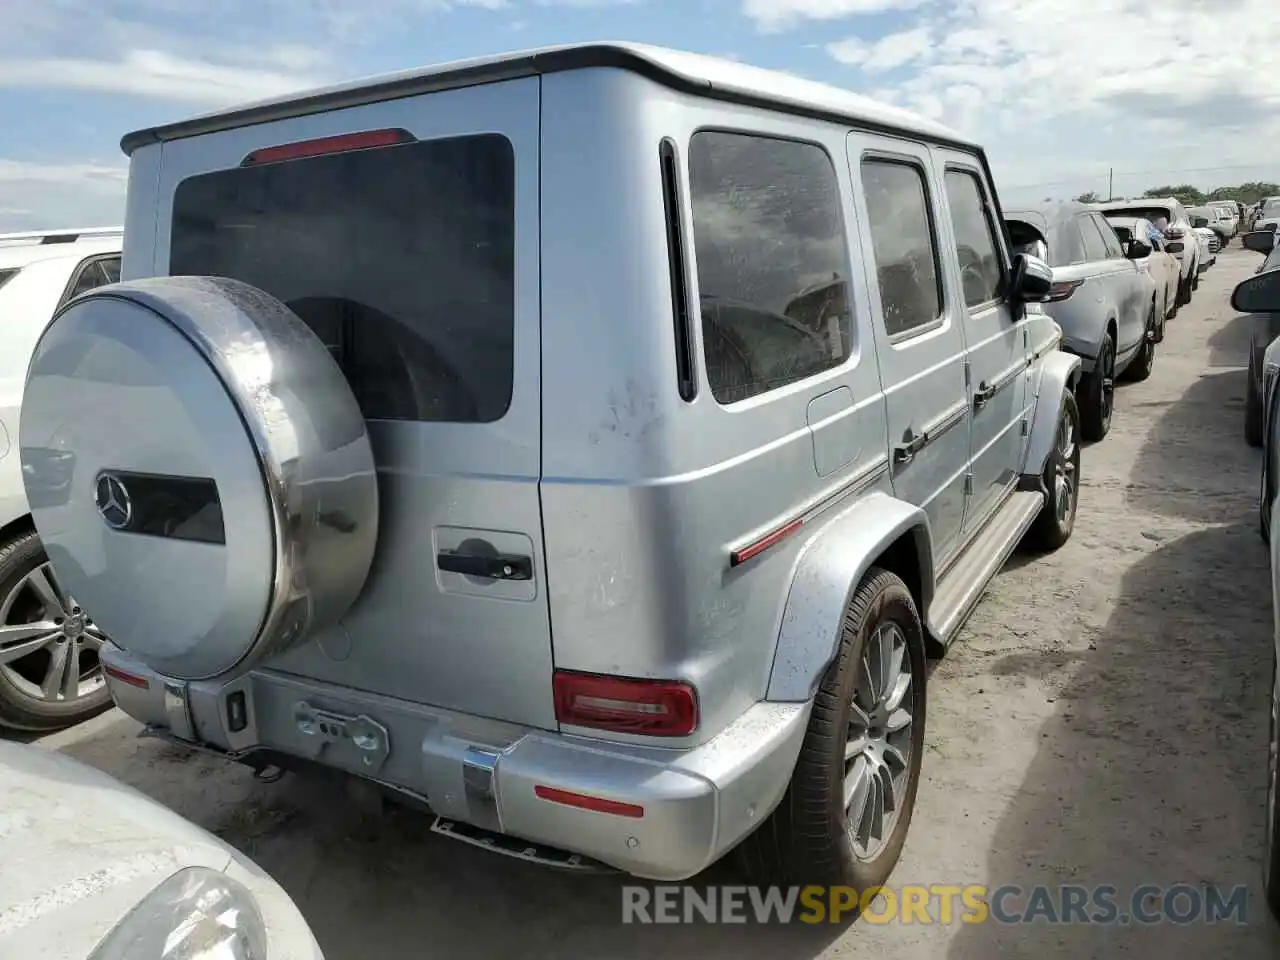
1058, 374
827, 574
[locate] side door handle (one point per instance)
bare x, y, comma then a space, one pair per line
912, 443
503, 566
981, 395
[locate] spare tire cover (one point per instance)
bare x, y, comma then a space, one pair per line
198, 470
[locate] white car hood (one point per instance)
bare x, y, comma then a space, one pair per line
79, 850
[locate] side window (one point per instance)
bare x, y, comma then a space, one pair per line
1109, 238
905, 249
772, 261
1094, 247
976, 246
111, 269
88, 275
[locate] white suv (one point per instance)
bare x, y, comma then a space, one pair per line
49, 671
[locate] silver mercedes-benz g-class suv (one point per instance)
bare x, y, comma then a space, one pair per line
590, 443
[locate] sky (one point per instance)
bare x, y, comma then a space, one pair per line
1060, 92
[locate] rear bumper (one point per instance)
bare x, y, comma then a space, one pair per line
694, 804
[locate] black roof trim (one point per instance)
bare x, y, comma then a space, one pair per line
534, 64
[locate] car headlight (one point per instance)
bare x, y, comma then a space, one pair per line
197, 914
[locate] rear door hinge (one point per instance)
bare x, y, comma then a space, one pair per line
968, 484
968, 373
1026, 427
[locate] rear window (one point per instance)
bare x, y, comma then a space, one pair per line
401, 259
1153, 214
6, 276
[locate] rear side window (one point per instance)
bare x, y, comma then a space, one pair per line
1094, 246
1109, 238
772, 261
980, 272
6, 276
93, 273
1026, 239
902, 237
401, 259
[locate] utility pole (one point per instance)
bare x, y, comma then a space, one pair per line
1111, 184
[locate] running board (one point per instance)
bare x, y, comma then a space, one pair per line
520, 849
961, 589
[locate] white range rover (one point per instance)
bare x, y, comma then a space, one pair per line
49, 671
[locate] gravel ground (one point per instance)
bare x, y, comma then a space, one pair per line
1101, 721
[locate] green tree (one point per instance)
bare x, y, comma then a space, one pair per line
1184, 192
1090, 197
1250, 192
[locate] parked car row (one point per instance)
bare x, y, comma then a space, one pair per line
1121, 270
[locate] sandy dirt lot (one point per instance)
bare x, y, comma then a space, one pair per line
1101, 721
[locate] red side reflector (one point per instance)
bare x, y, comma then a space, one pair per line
584, 802
743, 554
322, 146
129, 678
658, 708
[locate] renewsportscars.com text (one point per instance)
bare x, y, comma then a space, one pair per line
936, 904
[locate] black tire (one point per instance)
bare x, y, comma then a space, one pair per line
19, 710
1140, 367
1097, 394
1195, 278
1052, 527
1271, 851
1184, 291
1252, 404
807, 838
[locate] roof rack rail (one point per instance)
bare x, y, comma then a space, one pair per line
60, 236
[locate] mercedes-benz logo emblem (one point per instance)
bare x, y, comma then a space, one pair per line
113, 501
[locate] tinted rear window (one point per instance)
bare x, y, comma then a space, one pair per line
1144, 213
401, 259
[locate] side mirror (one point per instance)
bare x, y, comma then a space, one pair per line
1258, 294
1138, 249
1199, 222
1031, 279
1259, 241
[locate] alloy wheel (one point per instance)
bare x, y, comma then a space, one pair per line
48, 645
1108, 386
1065, 473
877, 754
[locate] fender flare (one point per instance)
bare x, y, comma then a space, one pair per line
1058, 374
826, 576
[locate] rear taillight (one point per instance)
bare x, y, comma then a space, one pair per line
656, 708
1173, 231
1173, 248
1063, 289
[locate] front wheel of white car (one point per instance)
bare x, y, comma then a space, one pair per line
847, 809
50, 676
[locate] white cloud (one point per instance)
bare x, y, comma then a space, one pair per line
154, 73
775, 15
888, 53
1061, 92
37, 196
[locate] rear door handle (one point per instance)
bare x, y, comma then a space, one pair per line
503, 566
